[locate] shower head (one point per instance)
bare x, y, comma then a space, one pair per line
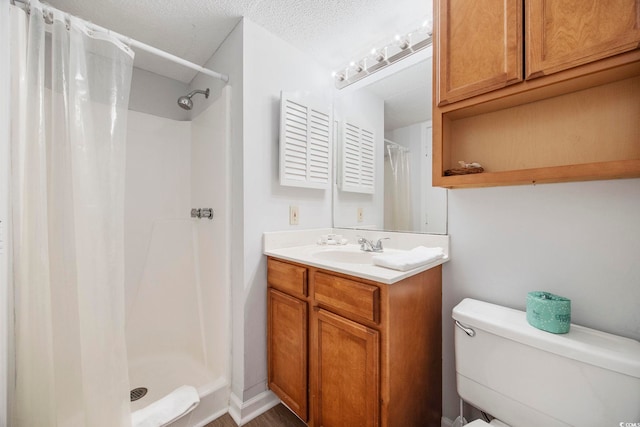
186, 102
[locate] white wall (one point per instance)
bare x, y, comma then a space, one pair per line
579, 240
259, 66
227, 59
270, 66
5, 99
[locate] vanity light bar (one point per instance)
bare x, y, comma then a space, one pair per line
379, 59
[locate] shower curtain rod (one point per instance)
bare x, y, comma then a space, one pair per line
142, 46
395, 145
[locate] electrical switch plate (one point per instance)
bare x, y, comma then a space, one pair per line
293, 215
360, 215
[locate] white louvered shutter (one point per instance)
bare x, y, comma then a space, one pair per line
358, 159
305, 143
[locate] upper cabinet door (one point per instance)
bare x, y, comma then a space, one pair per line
478, 47
562, 34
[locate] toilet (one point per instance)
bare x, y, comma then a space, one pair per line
525, 377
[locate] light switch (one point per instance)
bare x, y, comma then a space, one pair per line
293, 215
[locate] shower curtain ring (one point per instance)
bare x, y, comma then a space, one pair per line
47, 15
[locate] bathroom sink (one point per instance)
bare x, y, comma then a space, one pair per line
345, 256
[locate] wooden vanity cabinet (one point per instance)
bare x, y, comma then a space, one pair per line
374, 350
536, 90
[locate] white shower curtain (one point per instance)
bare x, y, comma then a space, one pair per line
397, 189
71, 92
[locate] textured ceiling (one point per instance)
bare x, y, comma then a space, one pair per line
334, 31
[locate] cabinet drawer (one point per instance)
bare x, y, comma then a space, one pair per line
350, 296
287, 277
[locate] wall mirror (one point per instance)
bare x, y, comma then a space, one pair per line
393, 107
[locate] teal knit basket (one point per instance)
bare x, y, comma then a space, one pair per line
549, 312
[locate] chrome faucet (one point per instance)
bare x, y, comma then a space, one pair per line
368, 245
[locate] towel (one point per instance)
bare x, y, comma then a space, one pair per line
408, 260
179, 402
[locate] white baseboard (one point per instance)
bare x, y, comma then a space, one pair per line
243, 412
446, 422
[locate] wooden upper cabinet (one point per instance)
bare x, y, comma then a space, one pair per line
561, 34
478, 47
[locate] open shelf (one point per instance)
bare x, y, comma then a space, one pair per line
554, 130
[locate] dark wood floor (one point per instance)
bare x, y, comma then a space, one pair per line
278, 416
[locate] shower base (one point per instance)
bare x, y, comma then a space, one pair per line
163, 374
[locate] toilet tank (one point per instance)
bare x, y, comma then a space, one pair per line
530, 378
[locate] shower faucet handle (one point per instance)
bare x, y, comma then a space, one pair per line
202, 213
206, 213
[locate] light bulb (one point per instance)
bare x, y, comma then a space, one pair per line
378, 55
404, 42
427, 26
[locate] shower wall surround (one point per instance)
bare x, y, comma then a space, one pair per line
4, 208
158, 185
156, 95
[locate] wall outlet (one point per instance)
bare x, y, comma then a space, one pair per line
360, 215
293, 215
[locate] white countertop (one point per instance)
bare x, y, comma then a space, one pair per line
299, 250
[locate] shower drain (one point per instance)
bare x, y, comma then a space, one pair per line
138, 393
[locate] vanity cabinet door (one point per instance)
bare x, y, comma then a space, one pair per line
478, 47
287, 350
562, 34
347, 386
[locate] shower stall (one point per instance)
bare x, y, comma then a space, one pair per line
167, 312
177, 267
